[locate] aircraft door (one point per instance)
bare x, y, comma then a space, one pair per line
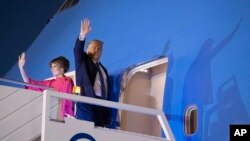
143, 85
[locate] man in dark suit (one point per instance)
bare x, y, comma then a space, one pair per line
92, 77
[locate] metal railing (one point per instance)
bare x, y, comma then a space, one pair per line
23, 84
48, 93
159, 114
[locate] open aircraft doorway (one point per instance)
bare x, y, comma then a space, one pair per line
143, 85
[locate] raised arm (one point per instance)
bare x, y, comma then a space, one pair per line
226, 40
85, 28
21, 63
80, 41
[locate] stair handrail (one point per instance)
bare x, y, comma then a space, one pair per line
77, 98
24, 84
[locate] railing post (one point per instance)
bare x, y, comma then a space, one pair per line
45, 113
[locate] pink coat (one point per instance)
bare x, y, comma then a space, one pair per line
60, 84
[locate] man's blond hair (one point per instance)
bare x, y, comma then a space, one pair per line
98, 43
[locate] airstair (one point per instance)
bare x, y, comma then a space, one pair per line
28, 115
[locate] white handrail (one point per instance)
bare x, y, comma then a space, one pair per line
24, 84
160, 115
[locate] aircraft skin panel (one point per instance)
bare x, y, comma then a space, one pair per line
206, 43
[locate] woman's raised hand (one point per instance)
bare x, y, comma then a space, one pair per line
21, 60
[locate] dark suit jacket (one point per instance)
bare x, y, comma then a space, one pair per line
85, 78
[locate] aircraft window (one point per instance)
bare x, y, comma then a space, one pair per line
190, 123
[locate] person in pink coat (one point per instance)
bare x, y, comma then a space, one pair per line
61, 83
